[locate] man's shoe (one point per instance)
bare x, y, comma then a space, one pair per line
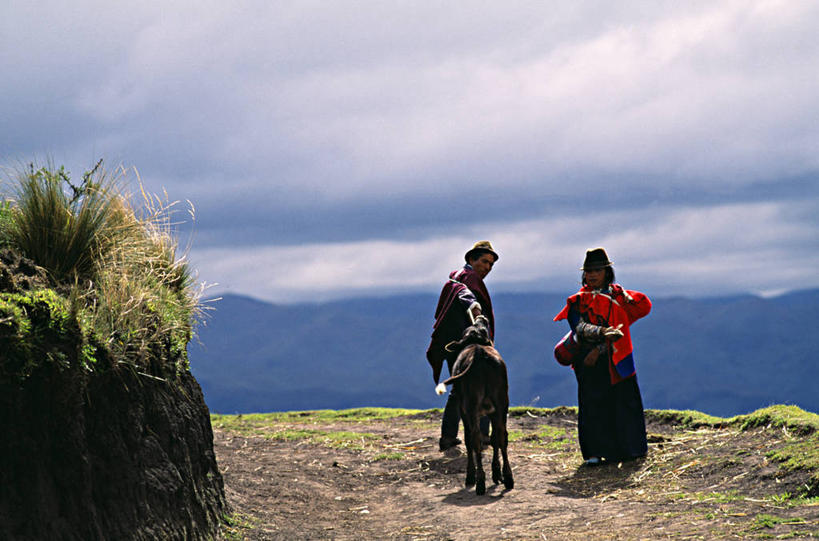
593, 461
448, 443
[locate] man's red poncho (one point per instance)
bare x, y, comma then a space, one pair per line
443, 328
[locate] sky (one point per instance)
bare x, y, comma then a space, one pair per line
343, 148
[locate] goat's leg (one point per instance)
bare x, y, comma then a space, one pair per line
480, 480
508, 480
496, 444
475, 442
474, 466
470, 466
470, 460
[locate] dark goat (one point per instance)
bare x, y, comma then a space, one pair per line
480, 383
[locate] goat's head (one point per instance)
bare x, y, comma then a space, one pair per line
477, 333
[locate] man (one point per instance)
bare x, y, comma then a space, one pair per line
463, 298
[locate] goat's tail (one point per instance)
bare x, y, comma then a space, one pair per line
441, 387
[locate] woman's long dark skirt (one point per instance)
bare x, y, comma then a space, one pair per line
610, 421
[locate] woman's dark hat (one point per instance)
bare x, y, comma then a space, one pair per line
481, 247
596, 258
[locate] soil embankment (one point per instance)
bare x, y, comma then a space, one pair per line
107, 452
121, 457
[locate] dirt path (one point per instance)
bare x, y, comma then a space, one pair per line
386, 479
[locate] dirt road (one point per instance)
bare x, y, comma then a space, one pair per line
309, 478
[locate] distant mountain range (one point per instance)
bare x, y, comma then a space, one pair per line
722, 356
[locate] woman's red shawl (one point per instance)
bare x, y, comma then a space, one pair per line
623, 306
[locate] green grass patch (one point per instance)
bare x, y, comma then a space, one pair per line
780, 499
265, 426
347, 440
810, 501
791, 418
765, 520
388, 456
361, 414
245, 425
235, 525
520, 411
293, 435
354, 415
800, 451
546, 436
37, 328
800, 455
718, 497
547, 432
686, 418
338, 439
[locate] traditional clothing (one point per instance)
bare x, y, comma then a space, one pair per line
464, 289
610, 422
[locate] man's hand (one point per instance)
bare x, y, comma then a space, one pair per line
475, 312
482, 320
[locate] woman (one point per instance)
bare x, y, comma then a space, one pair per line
610, 421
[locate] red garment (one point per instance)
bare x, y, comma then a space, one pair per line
458, 279
447, 328
622, 307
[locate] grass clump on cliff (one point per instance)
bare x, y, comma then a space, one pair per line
112, 267
37, 328
68, 234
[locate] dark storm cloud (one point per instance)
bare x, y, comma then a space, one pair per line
275, 220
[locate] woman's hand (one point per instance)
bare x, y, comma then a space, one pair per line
591, 358
618, 292
613, 333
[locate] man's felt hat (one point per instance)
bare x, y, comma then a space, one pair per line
596, 258
481, 247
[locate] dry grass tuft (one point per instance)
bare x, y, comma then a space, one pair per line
116, 260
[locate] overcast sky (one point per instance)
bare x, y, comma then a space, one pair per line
339, 148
